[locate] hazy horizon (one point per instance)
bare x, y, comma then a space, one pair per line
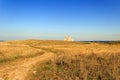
55, 19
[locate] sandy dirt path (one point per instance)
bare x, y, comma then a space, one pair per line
18, 70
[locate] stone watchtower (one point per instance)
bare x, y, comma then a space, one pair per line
68, 38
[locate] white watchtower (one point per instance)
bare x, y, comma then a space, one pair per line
68, 38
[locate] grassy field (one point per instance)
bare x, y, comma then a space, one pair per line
10, 51
72, 61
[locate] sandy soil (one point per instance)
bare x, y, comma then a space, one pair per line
18, 70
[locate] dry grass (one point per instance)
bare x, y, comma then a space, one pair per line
11, 51
73, 61
81, 67
78, 61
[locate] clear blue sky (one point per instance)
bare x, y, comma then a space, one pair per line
54, 19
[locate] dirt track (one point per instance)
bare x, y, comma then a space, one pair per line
19, 69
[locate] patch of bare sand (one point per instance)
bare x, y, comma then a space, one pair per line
18, 70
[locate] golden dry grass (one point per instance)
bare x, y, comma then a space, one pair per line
73, 61
78, 61
13, 50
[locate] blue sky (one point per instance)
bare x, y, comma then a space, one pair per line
54, 19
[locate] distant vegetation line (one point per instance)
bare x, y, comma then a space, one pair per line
108, 42
2, 40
